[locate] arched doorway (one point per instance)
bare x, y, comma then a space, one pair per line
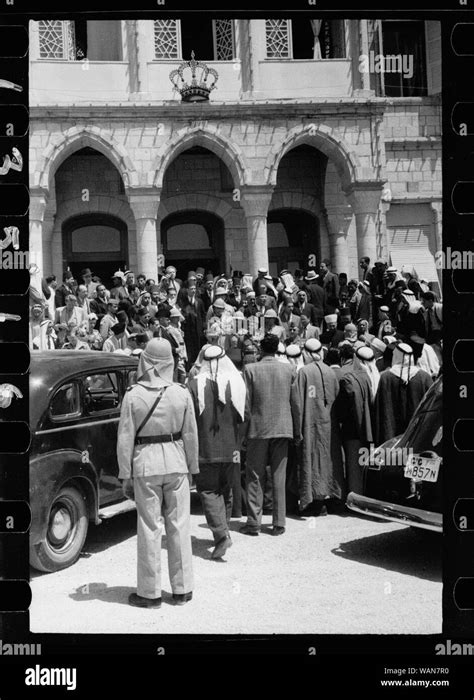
293, 235
193, 239
98, 241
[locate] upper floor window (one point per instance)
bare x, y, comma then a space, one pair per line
404, 42
211, 40
77, 40
302, 38
56, 39
397, 58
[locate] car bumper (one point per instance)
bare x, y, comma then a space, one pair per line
416, 517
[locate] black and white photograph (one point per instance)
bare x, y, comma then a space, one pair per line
235, 325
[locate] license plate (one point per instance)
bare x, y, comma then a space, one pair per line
422, 468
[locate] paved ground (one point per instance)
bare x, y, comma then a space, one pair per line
330, 575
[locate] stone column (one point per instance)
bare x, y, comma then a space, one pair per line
339, 219
34, 50
142, 56
365, 201
437, 207
48, 263
364, 50
38, 203
144, 203
255, 201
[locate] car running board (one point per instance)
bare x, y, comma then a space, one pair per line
115, 509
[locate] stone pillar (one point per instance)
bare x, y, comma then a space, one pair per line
364, 51
143, 39
437, 207
255, 201
365, 201
339, 219
38, 203
48, 226
144, 203
34, 49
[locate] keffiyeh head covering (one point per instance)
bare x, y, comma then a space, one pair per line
221, 371
313, 351
403, 365
364, 360
156, 364
295, 356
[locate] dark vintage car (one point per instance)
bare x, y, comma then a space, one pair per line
75, 399
403, 481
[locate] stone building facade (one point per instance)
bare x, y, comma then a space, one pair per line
297, 156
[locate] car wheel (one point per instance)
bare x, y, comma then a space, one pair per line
65, 534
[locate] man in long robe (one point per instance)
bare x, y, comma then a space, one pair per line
400, 390
358, 387
219, 394
316, 431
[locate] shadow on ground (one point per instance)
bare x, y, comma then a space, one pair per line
109, 594
409, 551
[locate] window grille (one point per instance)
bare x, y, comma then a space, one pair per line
167, 39
57, 40
278, 38
223, 31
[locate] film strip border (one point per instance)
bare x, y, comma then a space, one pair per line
458, 279
15, 270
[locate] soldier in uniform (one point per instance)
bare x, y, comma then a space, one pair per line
157, 450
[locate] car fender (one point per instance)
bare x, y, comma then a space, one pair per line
49, 472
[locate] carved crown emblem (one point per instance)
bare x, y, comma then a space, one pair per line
194, 80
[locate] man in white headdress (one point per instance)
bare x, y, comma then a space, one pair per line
316, 432
157, 450
358, 388
294, 355
219, 394
400, 390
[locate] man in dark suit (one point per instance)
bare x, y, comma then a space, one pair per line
367, 274
316, 297
68, 287
304, 308
264, 301
270, 427
330, 283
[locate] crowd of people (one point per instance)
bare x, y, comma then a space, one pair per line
236, 311
266, 389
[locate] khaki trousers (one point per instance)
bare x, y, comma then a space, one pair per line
163, 502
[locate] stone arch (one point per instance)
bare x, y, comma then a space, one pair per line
201, 201
75, 138
295, 200
96, 205
323, 138
208, 138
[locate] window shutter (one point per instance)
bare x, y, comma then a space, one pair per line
409, 246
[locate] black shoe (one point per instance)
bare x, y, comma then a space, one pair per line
221, 547
139, 601
247, 530
335, 506
182, 598
278, 530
